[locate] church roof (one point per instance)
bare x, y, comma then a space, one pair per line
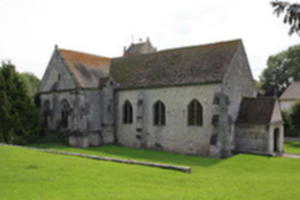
257, 110
87, 69
182, 66
292, 92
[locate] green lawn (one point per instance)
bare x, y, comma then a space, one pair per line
28, 174
292, 147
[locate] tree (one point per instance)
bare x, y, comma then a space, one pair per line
282, 69
291, 13
32, 83
5, 117
18, 115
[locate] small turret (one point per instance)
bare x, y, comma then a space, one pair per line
139, 48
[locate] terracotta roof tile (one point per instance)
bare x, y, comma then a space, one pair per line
292, 92
87, 69
191, 65
256, 110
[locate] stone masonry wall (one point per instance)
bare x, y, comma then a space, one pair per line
237, 83
84, 123
175, 135
56, 76
251, 138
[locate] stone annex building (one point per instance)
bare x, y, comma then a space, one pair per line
193, 100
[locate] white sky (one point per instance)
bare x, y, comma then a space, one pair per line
31, 28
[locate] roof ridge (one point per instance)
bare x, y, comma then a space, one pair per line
185, 47
81, 52
201, 45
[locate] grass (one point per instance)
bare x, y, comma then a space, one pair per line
27, 174
292, 147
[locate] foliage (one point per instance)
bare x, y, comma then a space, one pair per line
282, 69
292, 147
289, 129
50, 137
32, 83
295, 117
18, 114
291, 12
291, 120
34, 175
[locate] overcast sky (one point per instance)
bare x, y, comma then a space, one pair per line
31, 28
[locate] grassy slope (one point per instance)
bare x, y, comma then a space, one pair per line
27, 174
292, 147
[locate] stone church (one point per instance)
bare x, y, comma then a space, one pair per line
193, 100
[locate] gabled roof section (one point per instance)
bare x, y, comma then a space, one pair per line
87, 69
183, 66
257, 110
292, 92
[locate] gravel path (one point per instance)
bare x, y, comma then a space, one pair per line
289, 155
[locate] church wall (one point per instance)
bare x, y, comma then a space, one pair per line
55, 99
262, 138
280, 139
252, 138
175, 135
259, 138
107, 114
276, 123
84, 124
56, 76
276, 115
92, 109
237, 83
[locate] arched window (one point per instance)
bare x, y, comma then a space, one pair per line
46, 113
127, 112
195, 113
159, 113
65, 112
